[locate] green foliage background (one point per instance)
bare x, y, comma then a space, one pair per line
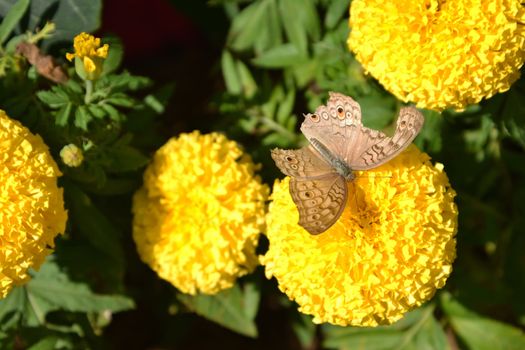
277, 59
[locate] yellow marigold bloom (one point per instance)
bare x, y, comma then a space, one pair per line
392, 247
72, 155
199, 214
440, 54
88, 49
31, 205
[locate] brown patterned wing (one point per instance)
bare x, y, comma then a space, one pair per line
305, 162
373, 148
335, 124
320, 202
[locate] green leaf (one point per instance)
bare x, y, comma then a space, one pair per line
92, 224
304, 329
230, 74
70, 17
249, 86
113, 113
125, 158
295, 31
417, 330
257, 26
158, 100
63, 114
481, 333
429, 137
50, 289
48, 343
115, 54
11, 20
234, 308
336, 10
121, 99
285, 107
377, 112
82, 117
282, 56
54, 98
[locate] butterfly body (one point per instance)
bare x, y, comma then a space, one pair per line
339, 165
339, 144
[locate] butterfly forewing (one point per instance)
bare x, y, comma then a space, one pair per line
301, 163
320, 202
335, 125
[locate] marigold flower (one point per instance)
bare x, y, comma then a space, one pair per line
440, 54
199, 214
31, 205
88, 49
392, 247
71, 155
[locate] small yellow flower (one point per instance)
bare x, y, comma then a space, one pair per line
199, 214
92, 55
392, 247
71, 155
31, 205
440, 54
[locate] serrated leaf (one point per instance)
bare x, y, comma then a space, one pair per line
232, 308
50, 289
82, 117
282, 56
112, 112
54, 98
63, 114
121, 99
12, 18
97, 111
230, 74
479, 332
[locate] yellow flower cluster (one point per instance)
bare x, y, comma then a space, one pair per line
392, 247
198, 216
440, 54
88, 49
31, 205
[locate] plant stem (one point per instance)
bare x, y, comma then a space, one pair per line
89, 90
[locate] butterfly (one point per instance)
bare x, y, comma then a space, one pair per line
339, 144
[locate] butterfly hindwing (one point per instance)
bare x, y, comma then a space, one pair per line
320, 202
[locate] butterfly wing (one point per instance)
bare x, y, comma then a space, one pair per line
374, 148
320, 202
305, 162
316, 189
339, 128
334, 125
